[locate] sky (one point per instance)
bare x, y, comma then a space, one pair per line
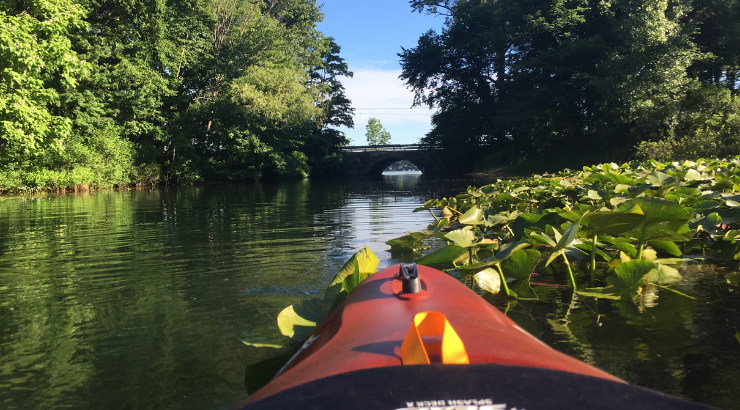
371, 34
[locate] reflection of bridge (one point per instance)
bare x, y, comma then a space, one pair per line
373, 159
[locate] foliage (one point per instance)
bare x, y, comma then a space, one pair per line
638, 217
375, 133
549, 84
99, 93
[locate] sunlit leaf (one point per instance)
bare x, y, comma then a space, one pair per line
658, 178
363, 261
569, 235
462, 237
669, 247
443, 255
438, 225
410, 242
488, 280
298, 321
474, 216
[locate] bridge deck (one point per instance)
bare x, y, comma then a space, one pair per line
390, 147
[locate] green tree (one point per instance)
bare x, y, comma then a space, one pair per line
556, 80
375, 133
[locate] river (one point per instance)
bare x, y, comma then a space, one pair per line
135, 299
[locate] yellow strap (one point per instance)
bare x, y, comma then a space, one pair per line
432, 324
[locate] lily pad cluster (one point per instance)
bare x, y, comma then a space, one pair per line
636, 219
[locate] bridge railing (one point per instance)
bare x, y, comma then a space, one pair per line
389, 147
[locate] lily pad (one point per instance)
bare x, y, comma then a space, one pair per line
473, 216
488, 280
629, 278
462, 237
443, 255
519, 267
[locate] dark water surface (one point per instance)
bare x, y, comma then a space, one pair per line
135, 299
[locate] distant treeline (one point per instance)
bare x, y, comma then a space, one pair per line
553, 83
98, 93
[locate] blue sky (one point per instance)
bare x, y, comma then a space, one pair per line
370, 34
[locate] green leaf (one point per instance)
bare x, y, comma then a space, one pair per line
410, 242
298, 321
443, 255
614, 222
438, 225
569, 235
707, 224
669, 247
629, 277
603, 293
462, 237
663, 274
473, 216
541, 237
508, 248
363, 261
488, 280
520, 266
660, 179
658, 210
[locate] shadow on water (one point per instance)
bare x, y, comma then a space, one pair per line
135, 299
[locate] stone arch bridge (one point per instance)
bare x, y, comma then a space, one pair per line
373, 159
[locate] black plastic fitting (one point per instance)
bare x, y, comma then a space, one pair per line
410, 278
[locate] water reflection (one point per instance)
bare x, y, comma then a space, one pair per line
135, 299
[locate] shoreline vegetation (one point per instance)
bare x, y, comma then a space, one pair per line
96, 94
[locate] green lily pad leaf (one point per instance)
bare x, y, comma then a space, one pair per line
443, 255
629, 277
528, 221
569, 235
462, 237
474, 216
627, 248
707, 223
298, 321
737, 335
658, 210
668, 247
554, 256
693, 175
410, 242
676, 231
509, 248
265, 337
594, 195
586, 247
488, 280
438, 225
706, 205
519, 267
363, 261
543, 238
663, 274
351, 282
659, 179
602, 293
614, 222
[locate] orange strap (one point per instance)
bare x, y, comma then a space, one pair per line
447, 348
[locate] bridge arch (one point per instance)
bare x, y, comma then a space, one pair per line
372, 160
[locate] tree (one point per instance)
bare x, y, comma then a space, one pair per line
376, 134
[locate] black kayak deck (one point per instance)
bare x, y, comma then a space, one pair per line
468, 387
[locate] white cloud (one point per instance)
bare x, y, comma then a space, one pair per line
381, 94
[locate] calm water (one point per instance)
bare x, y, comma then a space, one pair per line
135, 299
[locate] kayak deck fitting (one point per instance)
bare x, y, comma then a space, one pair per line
369, 351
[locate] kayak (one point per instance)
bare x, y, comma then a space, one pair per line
412, 337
